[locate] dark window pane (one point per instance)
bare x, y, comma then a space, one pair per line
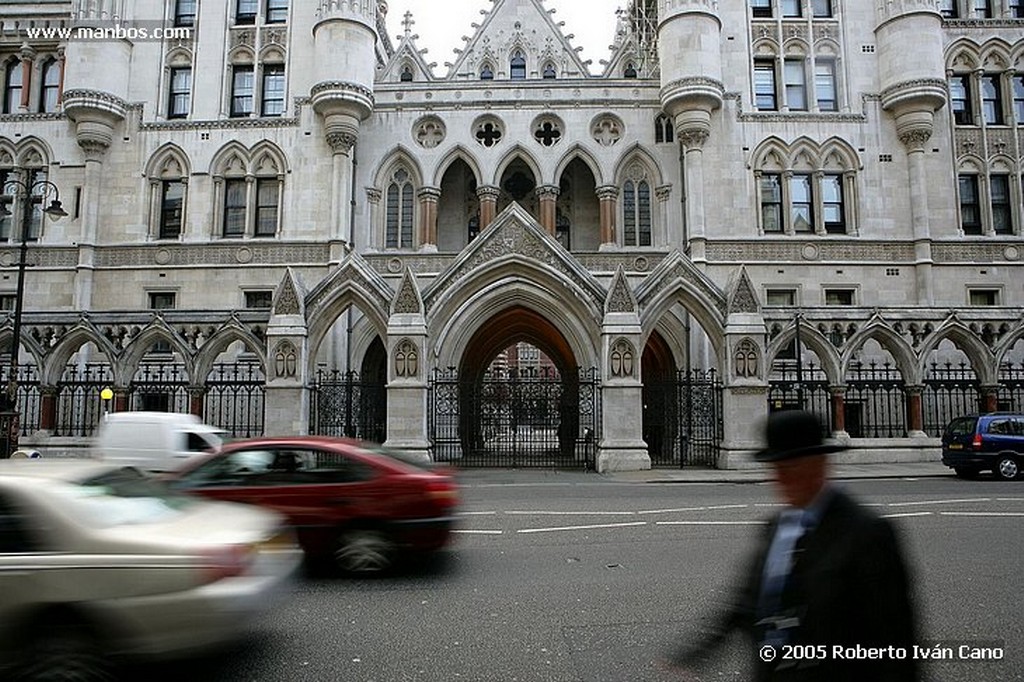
771, 202
181, 89
273, 91
245, 11
234, 208
991, 100
277, 11
51, 87
764, 85
644, 213
171, 204
267, 201
242, 91
629, 213
517, 67
803, 207
1002, 221
185, 12
970, 209
960, 100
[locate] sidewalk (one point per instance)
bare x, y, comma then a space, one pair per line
839, 471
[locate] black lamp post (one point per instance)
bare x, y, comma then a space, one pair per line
9, 415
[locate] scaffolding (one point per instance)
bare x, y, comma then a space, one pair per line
642, 22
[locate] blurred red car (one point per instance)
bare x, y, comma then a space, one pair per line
354, 503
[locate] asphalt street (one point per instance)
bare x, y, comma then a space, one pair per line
585, 578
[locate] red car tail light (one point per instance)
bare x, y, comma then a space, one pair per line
976, 443
225, 562
443, 492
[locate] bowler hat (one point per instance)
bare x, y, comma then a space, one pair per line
794, 433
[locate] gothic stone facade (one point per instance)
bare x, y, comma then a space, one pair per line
287, 183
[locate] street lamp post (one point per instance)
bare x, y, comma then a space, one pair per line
23, 191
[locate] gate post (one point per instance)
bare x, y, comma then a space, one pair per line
745, 377
286, 402
407, 371
621, 446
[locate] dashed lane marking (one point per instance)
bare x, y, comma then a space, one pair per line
904, 515
919, 503
987, 514
711, 523
478, 532
593, 527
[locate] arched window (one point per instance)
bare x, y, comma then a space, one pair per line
49, 92
549, 71
636, 205
630, 71
517, 67
486, 73
13, 74
398, 212
664, 132
406, 76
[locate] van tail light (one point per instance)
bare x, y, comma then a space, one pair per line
976, 443
228, 561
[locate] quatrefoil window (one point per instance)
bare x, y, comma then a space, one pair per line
547, 130
429, 132
488, 132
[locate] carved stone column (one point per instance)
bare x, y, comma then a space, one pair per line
27, 54
408, 371
488, 195
286, 401
693, 140
429, 196
341, 144
915, 412
48, 407
838, 398
989, 398
547, 195
608, 198
914, 139
197, 400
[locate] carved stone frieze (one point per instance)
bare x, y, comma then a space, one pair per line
775, 251
212, 254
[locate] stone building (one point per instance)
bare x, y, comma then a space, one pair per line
285, 220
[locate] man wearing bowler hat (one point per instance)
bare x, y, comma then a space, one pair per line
826, 594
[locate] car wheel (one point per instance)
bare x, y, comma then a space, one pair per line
66, 652
966, 472
364, 552
1007, 468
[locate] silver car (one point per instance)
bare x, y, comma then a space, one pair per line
100, 563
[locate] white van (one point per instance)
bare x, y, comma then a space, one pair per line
154, 441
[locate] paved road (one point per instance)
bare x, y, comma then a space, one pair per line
584, 578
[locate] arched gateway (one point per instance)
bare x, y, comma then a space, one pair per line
517, 353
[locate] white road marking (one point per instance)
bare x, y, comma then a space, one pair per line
689, 509
982, 513
478, 532
570, 513
596, 526
478, 513
1010, 499
710, 523
905, 515
924, 502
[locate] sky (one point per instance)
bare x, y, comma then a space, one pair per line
441, 30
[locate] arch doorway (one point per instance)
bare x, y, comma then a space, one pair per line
517, 399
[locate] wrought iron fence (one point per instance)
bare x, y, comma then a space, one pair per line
79, 406
876, 401
159, 387
950, 391
234, 398
342, 404
803, 388
515, 417
683, 419
29, 398
1011, 387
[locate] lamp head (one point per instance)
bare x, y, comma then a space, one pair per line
55, 210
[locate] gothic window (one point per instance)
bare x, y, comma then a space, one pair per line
277, 11
235, 203
13, 74
606, 129
242, 90
32, 211
825, 85
761, 8
991, 99
802, 202
172, 200
517, 67
406, 76
179, 92
6, 204
399, 211
49, 91
486, 73
549, 72
273, 90
982, 9
796, 85
1018, 99
791, 8
429, 132
245, 11
970, 205
547, 130
765, 95
664, 131
35, 178
821, 8
268, 199
960, 99
184, 12
488, 132
771, 202
1002, 218
948, 9
832, 200
630, 71
636, 206
1016, 9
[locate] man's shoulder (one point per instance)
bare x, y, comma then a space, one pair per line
845, 509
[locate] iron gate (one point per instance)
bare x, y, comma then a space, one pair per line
683, 423
876, 401
342, 404
1011, 387
950, 391
515, 417
803, 388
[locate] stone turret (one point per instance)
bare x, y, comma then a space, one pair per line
689, 51
96, 98
913, 82
344, 37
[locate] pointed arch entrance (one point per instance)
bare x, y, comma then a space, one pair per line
518, 398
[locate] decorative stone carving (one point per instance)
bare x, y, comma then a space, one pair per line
429, 132
746, 364
622, 359
285, 360
286, 302
407, 301
407, 362
620, 296
607, 129
743, 299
